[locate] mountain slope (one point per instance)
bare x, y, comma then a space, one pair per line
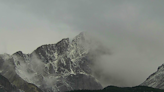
156, 80
7, 69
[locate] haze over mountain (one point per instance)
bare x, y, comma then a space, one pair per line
131, 29
65, 66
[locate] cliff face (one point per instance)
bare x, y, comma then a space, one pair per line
61, 67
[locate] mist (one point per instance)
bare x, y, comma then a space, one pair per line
131, 60
132, 30
33, 71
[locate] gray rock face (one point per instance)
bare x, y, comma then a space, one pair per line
156, 80
49, 53
59, 67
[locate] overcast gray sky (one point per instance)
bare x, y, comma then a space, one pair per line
133, 29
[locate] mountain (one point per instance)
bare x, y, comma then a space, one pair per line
123, 89
156, 80
63, 66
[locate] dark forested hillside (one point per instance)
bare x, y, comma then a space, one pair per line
123, 89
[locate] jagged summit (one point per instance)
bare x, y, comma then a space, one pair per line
50, 52
161, 68
64, 43
19, 53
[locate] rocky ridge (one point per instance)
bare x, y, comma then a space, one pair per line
60, 67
